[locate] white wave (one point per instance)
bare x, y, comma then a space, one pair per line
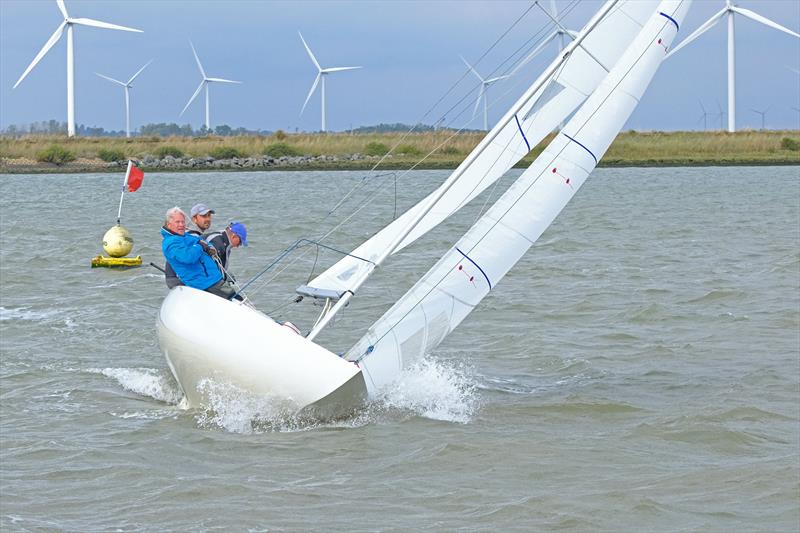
25, 313
435, 390
145, 381
239, 411
432, 390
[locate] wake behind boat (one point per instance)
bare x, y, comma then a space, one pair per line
603, 74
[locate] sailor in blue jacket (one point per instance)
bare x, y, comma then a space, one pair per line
189, 256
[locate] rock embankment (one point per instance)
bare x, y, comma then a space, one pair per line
176, 164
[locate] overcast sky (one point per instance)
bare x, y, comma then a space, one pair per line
409, 51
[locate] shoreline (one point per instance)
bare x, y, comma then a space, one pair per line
78, 168
58, 154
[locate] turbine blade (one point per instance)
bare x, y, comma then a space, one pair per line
763, 20
199, 65
110, 79
313, 88
62, 8
481, 94
199, 88
553, 9
222, 80
699, 31
310, 54
534, 53
702, 106
339, 69
472, 69
99, 24
47, 46
139, 72
497, 78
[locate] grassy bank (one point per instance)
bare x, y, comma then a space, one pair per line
440, 149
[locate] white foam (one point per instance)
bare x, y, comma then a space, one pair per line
432, 389
145, 381
435, 390
239, 411
24, 313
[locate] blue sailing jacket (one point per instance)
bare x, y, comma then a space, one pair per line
194, 267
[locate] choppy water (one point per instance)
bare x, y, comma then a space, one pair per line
638, 371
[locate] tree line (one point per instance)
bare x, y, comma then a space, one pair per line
164, 129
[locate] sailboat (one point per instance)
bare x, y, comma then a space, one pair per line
598, 79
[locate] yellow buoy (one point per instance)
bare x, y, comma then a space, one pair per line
117, 242
111, 262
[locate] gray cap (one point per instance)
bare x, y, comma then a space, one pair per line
201, 209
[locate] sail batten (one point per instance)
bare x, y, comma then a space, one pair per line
472, 268
576, 76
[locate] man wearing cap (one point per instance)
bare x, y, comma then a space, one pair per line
233, 236
201, 216
192, 258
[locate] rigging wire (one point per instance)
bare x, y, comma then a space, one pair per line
530, 43
434, 285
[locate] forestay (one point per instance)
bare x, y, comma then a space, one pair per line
446, 294
529, 120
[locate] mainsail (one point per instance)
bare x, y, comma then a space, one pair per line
447, 293
574, 77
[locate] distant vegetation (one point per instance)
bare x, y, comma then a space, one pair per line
164, 151
788, 143
280, 149
226, 152
376, 148
55, 154
110, 155
163, 129
446, 148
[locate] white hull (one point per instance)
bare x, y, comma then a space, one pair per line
205, 337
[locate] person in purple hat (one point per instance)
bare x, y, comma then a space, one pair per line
233, 236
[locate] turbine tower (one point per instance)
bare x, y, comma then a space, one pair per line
730, 10
321, 73
482, 93
204, 83
127, 87
763, 115
68, 23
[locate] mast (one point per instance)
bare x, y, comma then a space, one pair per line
509, 116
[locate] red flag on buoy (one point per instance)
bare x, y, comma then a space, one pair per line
133, 178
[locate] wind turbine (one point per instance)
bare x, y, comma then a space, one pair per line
321, 73
68, 23
704, 117
127, 87
204, 83
729, 10
762, 113
482, 93
560, 33
721, 116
